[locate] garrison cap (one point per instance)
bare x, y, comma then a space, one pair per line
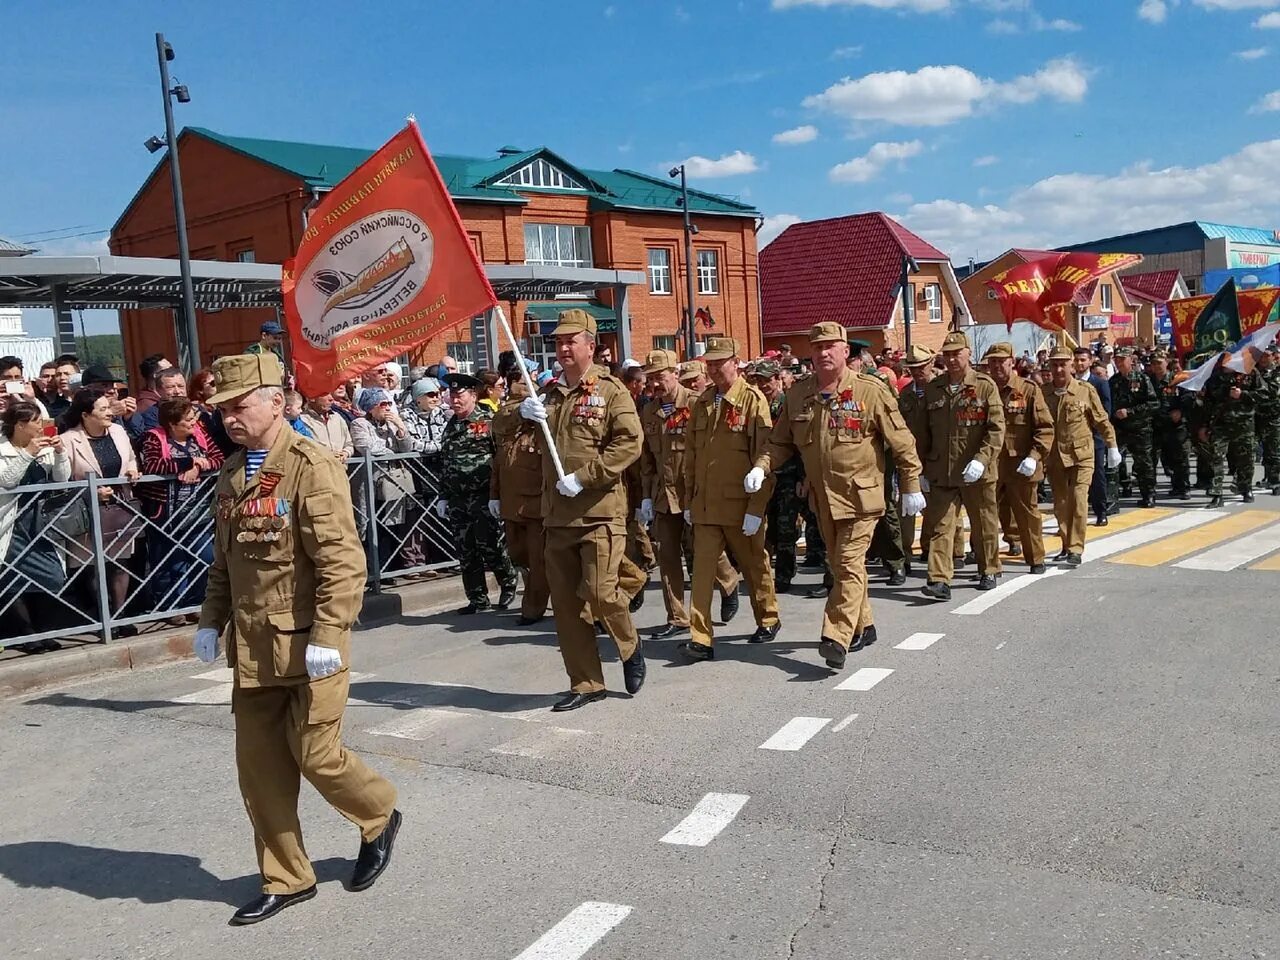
826, 331
461, 381
1062, 353
574, 321
858, 344
1000, 351
658, 360
766, 369
955, 340
720, 348
918, 356
692, 369
241, 373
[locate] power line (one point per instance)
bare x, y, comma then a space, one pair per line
40, 233
72, 236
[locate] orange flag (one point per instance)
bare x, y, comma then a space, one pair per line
383, 267
1031, 290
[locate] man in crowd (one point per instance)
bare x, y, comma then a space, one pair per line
1268, 417
886, 541
270, 340
693, 376
11, 374
1171, 425
168, 383
1103, 493
782, 523
1232, 398
44, 382
148, 368
1134, 403
58, 400
327, 427
921, 366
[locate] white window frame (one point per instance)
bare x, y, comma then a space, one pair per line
709, 275
574, 239
462, 353
542, 349
1106, 297
1193, 286
660, 273
540, 174
667, 342
933, 297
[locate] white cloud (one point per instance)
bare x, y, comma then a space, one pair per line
918, 6
1256, 53
1002, 27
1268, 104
935, 96
610, 10
773, 226
730, 165
1073, 207
1268, 21
868, 166
1058, 24
846, 53
986, 161
1153, 11
795, 135
1238, 4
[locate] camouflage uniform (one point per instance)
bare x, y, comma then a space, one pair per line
1232, 425
1136, 394
466, 453
783, 514
1267, 423
1197, 411
1172, 437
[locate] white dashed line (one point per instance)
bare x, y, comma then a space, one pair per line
712, 814
920, 641
844, 723
1236, 553
864, 678
1137, 536
582, 929
795, 733
416, 724
987, 600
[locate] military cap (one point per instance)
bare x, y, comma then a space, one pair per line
460, 381
1125, 352
574, 321
1160, 355
826, 331
999, 351
955, 340
767, 369
692, 369
1061, 353
240, 373
720, 348
858, 344
100, 375
657, 360
918, 356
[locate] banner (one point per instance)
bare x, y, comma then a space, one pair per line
1031, 290
384, 266
1246, 278
1255, 309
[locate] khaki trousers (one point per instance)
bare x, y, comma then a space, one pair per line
639, 548
709, 542
1070, 501
1016, 496
670, 529
526, 546
848, 609
284, 733
926, 535
943, 511
582, 571
1008, 522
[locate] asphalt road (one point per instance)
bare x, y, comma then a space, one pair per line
1087, 769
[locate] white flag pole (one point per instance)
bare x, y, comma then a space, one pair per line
533, 391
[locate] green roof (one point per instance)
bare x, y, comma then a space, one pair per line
473, 178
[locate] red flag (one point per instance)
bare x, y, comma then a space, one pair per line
1018, 290
383, 267
1030, 289
1254, 305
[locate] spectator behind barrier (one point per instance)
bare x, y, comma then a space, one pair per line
328, 426
381, 432
62, 387
148, 396
293, 414
198, 393
170, 384
492, 389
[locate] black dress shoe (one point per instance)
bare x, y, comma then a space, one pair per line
375, 854
988, 581
1061, 554
667, 630
1248, 496
1037, 568
832, 653
970, 557
600, 630
1074, 559
765, 634
505, 598
268, 905
729, 605
637, 601
575, 700
697, 651
1275, 491
937, 591
1015, 549
1102, 520
897, 578
634, 669
868, 636
1215, 502
781, 586
1147, 500
48, 646
471, 608
523, 621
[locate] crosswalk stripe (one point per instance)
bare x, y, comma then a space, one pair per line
1191, 541
1271, 563
1127, 521
985, 601
1238, 552
576, 934
713, 813
865, 678
795, 733
1146, 533
415, 724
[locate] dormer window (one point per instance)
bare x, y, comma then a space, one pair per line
539, 173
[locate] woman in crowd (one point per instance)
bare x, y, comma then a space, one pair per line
381, 432
492, 389
179, 448
97, 445
424, 418
210, 417
33, 565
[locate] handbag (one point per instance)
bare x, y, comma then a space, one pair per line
65, 511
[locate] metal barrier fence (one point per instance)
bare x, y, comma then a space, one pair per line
89, 559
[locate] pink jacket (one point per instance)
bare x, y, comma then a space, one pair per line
83, 462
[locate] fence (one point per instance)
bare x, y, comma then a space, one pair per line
83, 562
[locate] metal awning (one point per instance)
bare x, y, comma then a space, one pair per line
512, 282
545, 315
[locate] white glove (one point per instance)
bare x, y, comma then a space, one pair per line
570, 486
322, 661
973, 472
495, 509
912, 504
924, 484
750, 525
1027, 467
753, 481
205, 645
442, 508
644, 513
1113, 457
688, 516
532, 408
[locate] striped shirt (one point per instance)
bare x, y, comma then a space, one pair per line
253, 463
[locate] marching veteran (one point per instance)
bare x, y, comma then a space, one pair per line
842, 423
596, 430
729, 432
286, 584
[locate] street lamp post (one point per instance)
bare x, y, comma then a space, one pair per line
909, 266
188, 335
689, 230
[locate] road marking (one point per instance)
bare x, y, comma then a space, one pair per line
416, 724
920, 641
1126, 521
1271, 563
1000, 645
864, 678
795, 733
210, 696
1192, 541
1237, 553
220, 674
712, 814
985, 601
844, 723
535, 747
1128, 539
582, 929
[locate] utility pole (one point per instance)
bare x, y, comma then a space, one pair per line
909, 266
689, 230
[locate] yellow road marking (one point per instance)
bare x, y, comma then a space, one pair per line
1195, 539
1126, 521
1271, 563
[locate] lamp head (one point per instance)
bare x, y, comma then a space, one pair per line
153, 144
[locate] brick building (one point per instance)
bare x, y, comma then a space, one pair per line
849, 269
246, 200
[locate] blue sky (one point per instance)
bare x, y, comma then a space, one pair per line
980, 123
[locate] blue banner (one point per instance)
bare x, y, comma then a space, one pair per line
1246, 278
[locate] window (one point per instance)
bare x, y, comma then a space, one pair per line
549, 244
659, 270
933, 297
664, 343
1105, 291
241, 252
542, 349
462, 353
1193, 286
245, 256
708, 272
540, 174
911, 303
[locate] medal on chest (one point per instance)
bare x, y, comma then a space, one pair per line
676, 424
845, 413
478, 428
971, 410
589, 406
262, 520
734, 419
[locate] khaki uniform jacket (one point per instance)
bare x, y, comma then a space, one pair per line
961, 426
1028, 428
725, 444
1073, 414
597, 431
662, 462
842, 442
305, 587
516, 478
913, 412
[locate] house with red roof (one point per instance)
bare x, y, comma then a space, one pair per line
849, 269
1152, 292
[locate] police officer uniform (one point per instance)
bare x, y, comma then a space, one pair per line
286, 584
516, 483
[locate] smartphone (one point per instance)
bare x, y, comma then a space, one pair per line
15, 388
50, 429
122, 393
